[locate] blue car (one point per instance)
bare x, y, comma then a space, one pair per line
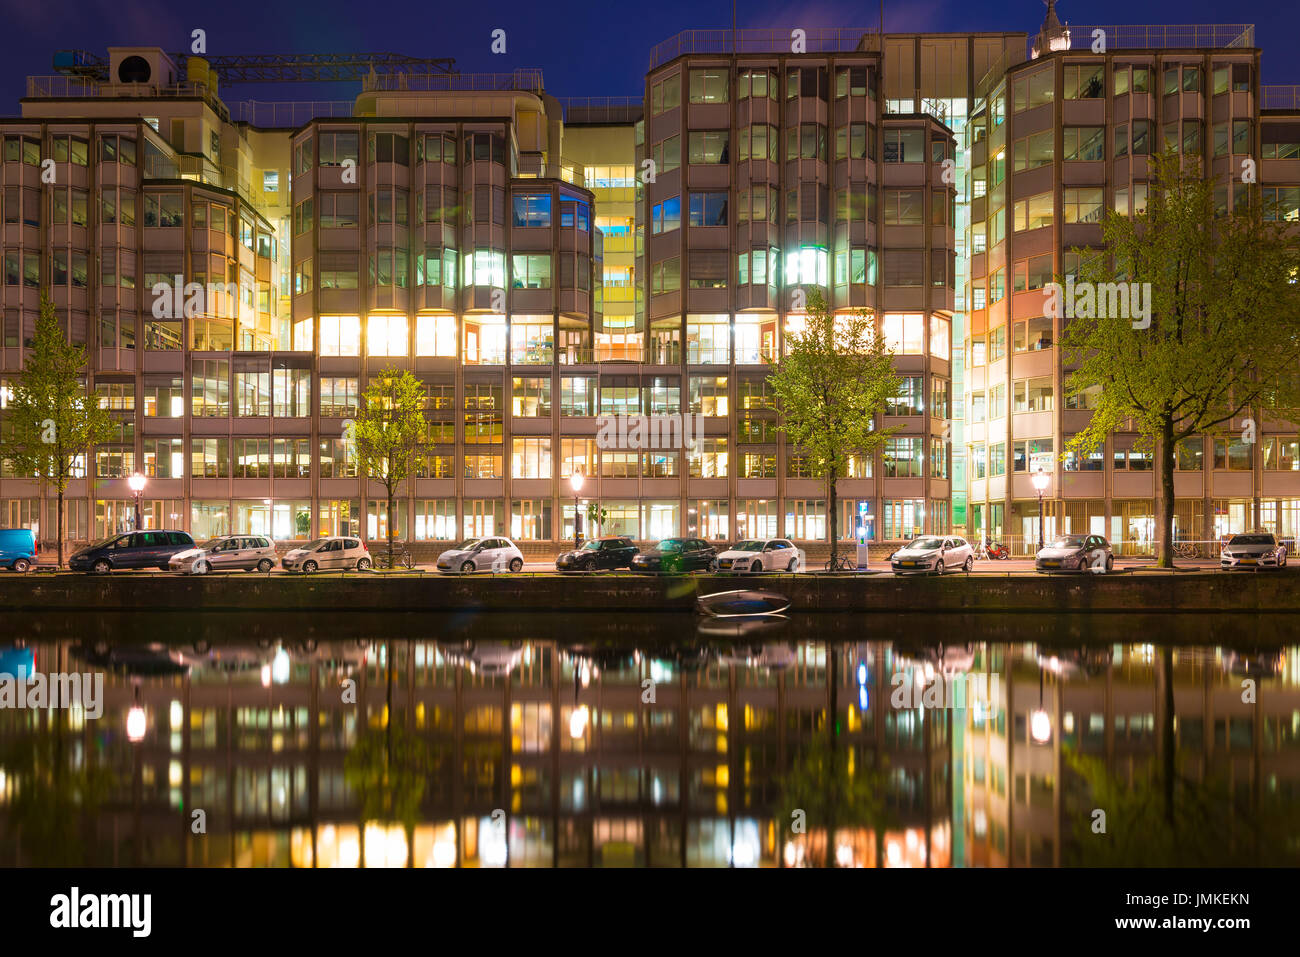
18, 548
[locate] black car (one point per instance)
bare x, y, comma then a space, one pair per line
676, 555
152, 549
612, 552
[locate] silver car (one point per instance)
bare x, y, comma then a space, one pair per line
481, 554
328, 554
1076, 552
933, 553
1253, 551
226, 553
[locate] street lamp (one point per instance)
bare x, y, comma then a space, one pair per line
136, 483
1040, 484
576, 481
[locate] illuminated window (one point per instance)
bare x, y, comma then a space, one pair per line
386, 336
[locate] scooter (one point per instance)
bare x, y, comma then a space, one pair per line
996, 550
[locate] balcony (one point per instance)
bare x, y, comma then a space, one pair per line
823, 40
85, 87
1161, 36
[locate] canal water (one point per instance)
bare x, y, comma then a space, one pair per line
498, 740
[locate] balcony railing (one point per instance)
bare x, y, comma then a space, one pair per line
1161, 36
1279, 97
526, 79
290, 115
85, 87
817, 40
602, 109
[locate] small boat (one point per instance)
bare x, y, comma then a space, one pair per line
743, 603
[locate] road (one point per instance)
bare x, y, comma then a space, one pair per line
989, 567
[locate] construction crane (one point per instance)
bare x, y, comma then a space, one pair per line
275, 67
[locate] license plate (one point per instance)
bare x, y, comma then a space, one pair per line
1249, 561
908, 564
1051, 564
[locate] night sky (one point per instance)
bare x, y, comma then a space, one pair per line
584, 48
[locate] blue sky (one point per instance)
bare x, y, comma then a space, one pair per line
584, 48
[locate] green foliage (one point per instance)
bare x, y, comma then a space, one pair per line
1222, 340
52, 793
51, 420
387, 770
389, 428
1205, 826
821, 785
597, 516
830, 388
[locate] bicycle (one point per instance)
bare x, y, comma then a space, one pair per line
843, 564
1187, 550
401, 558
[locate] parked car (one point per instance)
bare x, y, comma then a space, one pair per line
1254, 550
131, 550
481, 554
933, 553
676, 555
18, 548
227, 553
490, 659
1076, 552
611, 552
328, 554
761, 555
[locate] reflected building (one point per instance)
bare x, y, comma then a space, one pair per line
545, 755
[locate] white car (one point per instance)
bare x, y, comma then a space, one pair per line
761, 555
933, 553
326, 554
480, 555
1254, 550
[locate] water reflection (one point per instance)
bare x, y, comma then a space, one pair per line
588, 740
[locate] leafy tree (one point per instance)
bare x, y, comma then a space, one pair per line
57, 796
1159, 820
1222, 342
597, 516
831, 795
51, 420
390, 426
830, 387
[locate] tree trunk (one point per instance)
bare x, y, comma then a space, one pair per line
832, 782
1165, 557
832, 504
59, 531
1167, 733
392, 521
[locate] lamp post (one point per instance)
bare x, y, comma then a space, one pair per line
136, 483
575, 480
1040, 485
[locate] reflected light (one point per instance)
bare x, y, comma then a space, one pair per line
1040, 726
444, 854
280, 667
578, 720
135, 724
